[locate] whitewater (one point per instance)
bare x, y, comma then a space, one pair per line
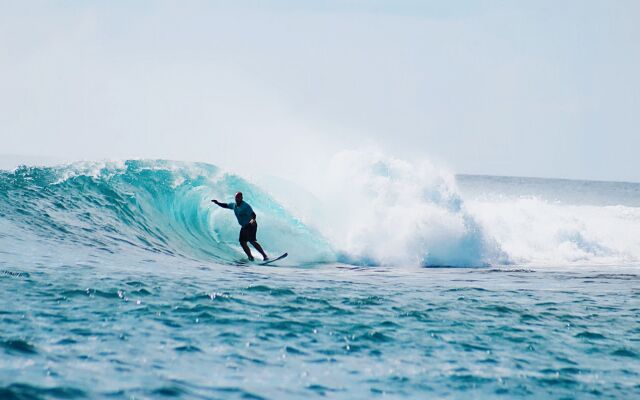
120, 279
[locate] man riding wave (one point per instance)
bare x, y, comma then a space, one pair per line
247, 220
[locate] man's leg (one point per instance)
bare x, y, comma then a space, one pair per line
259, 248
246, 249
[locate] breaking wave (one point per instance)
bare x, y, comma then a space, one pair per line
363, 209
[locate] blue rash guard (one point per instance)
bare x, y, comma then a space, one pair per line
244, 213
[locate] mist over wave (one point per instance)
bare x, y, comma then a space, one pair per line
363, 208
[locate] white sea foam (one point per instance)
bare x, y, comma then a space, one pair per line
540, 232
383, 210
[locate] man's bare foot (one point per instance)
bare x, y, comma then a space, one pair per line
251, 258
265, 258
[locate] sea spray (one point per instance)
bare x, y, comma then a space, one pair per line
383, 210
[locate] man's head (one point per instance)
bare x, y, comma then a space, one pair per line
238, 198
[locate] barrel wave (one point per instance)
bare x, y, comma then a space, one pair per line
155, 206
362, 209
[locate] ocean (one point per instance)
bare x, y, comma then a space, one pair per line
122, 280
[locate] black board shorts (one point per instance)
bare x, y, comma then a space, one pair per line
248, 232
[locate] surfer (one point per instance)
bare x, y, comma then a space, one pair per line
247, 220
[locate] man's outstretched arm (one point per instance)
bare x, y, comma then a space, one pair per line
223, 205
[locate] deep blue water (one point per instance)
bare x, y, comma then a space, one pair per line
124, 284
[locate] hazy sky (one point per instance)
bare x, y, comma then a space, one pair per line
490, 87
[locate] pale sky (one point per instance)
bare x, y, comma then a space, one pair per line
538, 88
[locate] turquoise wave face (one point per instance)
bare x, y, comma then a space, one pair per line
162, 207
